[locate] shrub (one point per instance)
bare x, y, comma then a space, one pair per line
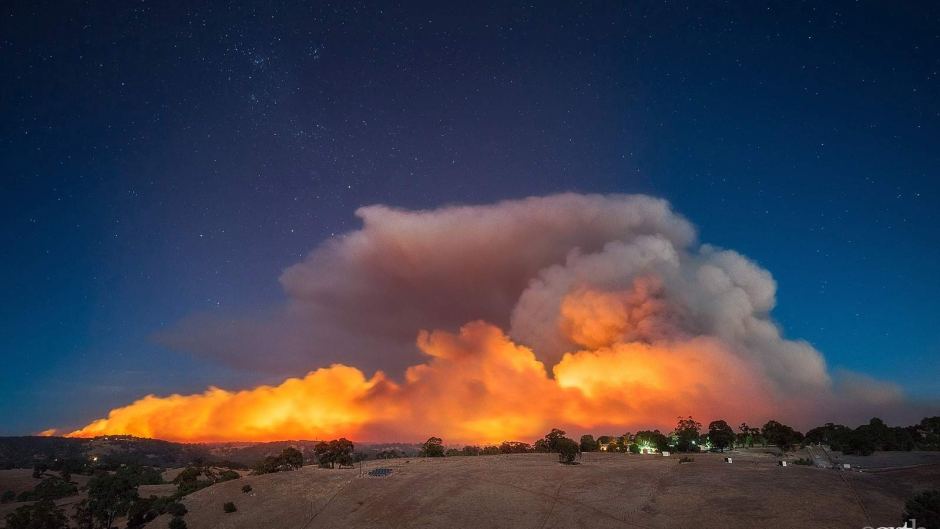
51, 488
433, 447
925, 508
188, 487
228, 475
144, 510
177, 523
142, 475
229, 506
188, 474
141, 512
42, 514
176, 509
292, 459
246, 488
803, 461
567, 449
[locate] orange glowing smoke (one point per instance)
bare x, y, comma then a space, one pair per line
478, 386
328, 401
616, 319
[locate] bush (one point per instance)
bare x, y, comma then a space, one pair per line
176, 509
229, 507
188, 474
188, 487
925, 508
803, 461
228, 475
177, 523
141, 512
144, 510
42, 514
51, 488
433, 447
567, 449
292, 459
246, 488
142, 475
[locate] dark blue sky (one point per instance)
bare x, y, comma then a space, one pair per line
158, 160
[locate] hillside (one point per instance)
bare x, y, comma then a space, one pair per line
26, 451
535, 491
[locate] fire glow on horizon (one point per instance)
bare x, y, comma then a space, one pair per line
627, 322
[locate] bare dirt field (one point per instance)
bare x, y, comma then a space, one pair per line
535, 491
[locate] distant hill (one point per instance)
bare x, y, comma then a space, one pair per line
26, 451
23, 452
250, 453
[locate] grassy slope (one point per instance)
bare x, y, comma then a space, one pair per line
533, 490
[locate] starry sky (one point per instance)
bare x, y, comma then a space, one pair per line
164, 158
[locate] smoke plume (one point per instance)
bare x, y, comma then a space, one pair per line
580, 311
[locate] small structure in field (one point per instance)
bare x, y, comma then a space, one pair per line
665, 454
782, 463
727, 460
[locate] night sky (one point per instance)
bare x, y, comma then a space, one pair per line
164, 158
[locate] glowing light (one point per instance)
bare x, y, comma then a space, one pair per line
476, 386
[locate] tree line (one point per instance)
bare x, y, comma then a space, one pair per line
689, 435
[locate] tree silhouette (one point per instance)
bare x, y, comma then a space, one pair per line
720, 434
567, 450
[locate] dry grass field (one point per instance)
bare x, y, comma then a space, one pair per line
18, 480
21, 479
535, 491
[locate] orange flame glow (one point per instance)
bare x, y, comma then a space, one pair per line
479, 386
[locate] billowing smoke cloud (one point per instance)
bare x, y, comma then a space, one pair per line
583, 311
361, 299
